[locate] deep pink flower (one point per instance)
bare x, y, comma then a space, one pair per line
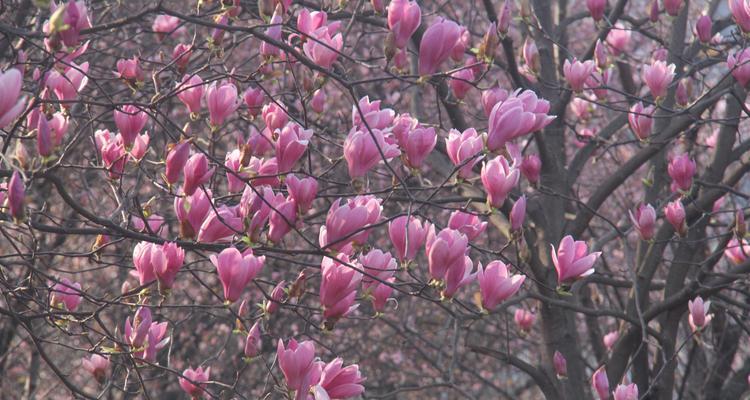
524, 319
236, 270
407, 237
698, 317
129, 70
193, 381
295, 361
192, 211
341, 383
419, 144
492, 96
221, 101
469, 224
572, 260
518, 214
303, 191
282, 220
446, 251
362, 151
496, 284
618, 39
344, 220
404, 17
739, 65
741, 13
11, 103
576, 73
338, 286
379, 264
166, 261
177, 157
253, 342
291, 144
681, 169
254, 98
323, 47
190, 93
66, 86
460, 82
644, 221
626, 392
520, 114
499, 178
164, 25
274, 116
220, 225
640, 120
65, 293
463, 147
675, 214
737, 253
436, 45
130, 122
97, 366
703, 28
600, 383
657, 77
560, 364
196, 173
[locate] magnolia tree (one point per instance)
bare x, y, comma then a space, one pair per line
318, 199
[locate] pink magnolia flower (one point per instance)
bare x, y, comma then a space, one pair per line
114, 158
166, 261
446, 251
657, 77
177, 157
739, 65
66, 86
458, 276
44, 141
403, 124
11, 103
644, 221
530, 55
618, 39
142, 260
463, 43
277, 297
154, 221
699, 316
520, 114
318, 101
194, 381
236, 175
217, 34
253, 342
600, 383
338, 286
308, 22
653, 15
140, 146
572, 260
267, 49
196, 173
190, 93
236, 270
675, 214
341, 383
682, 93
362, 151
640, 120
222, 101
504, 18
407, 235
436, 45
600, 55
379, 264
672, 7
381, 293
129, 69
518, 214
469, 224
130, 122
463, 147
531, 166
419, 144
75, 18
181, 56
610, 339
255, 206
374, 117
282, 220
254, 98
703, 28
295, 361
560, 364
681, 169
737, 253
499, 178
274, 116
524, 319
596, 8
137, 332
491, 97
220, 226
97, 366
323, 48
460, 82
191, 211
576, 73
404, 17
302, 191
344, 220
496, 284
626, 392
741, 13
291, 144
165, 25
65, 293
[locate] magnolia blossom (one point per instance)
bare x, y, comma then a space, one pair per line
496, 284
407, 235
236, 270
658, 76
644, 221
338, 286
437, 44
404, 17
363, 149
11, 103
572, 260
463, 149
